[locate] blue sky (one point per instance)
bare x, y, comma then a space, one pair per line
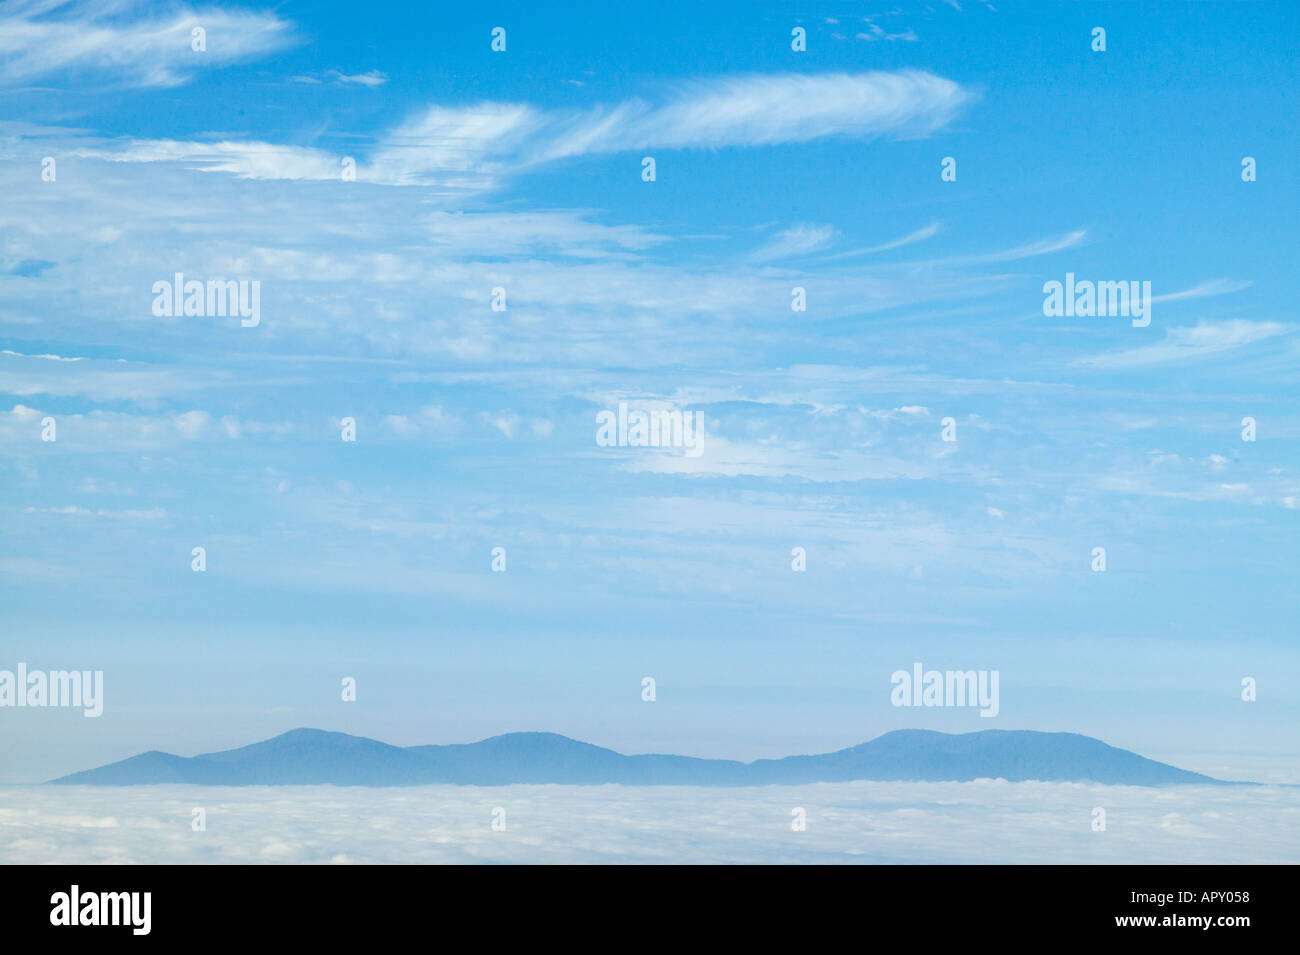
476, 428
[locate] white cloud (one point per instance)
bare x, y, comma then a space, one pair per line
1045, 246
919, 235
763, 110
192, 424
798, 240
14, 354
751, 110
506, 422
1203, 289
247, 160
471, 148
556, 232
908, 35
464, 148
372, 79
130, 42
1190, 342
431, 419
26, 375
105, 431
859, 822
147, 514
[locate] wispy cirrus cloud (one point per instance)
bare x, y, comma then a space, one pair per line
1188, 343
371, 78
918, 235
797, 240
1204, 290
473, 148
558, 232
749, 110
14, 354
1029, 250
132, 43
247, 160
783, 108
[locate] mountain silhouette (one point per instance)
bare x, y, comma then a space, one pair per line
311, 756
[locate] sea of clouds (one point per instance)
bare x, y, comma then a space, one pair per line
981, 821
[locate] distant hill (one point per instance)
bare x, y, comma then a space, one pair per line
310, 756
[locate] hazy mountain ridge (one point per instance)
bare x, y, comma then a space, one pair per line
313, 757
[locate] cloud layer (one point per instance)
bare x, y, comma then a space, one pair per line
985, 822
